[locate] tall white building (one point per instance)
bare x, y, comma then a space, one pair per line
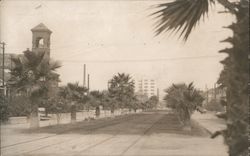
146, 87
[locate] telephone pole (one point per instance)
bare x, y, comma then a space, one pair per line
3, 47
88, 82
207, 95
84, 75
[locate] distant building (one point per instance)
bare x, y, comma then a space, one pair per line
8, 64
7, 60
146, 87
215, 94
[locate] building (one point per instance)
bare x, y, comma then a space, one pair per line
146, 87
41, 39
214, 94
41, 43
8, 64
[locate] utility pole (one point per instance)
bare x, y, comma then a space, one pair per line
158, 94
88, 82
84, 75
158, 97
207, 95
3, 47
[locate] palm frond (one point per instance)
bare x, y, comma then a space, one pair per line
32, 59
180, 15
54, 65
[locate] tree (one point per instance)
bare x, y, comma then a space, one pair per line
122, 89
75, 95
57, 106
33, 75
95, 100
184, 100
142, 101
152, 102
182, 16
109, 101
19, 105
4, 112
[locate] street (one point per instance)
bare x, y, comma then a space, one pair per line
154, 133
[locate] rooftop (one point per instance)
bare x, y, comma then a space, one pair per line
41, 27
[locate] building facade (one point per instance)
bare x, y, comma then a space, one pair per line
146, 87
41, 39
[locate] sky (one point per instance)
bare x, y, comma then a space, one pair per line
117, 36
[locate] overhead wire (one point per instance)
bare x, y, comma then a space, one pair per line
142, 60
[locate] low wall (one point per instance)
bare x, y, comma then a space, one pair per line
18, 120
65, 118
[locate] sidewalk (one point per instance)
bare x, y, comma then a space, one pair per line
209, 121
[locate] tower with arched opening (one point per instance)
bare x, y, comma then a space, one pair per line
41, 43
41, 39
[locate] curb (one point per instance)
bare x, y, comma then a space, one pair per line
203, 128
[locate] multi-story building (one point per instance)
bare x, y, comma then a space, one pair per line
146, 87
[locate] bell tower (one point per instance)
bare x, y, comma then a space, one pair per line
41, 39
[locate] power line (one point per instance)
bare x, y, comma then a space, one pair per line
142, 60
103, 0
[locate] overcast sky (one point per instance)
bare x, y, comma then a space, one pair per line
117, 36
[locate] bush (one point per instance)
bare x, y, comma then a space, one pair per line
214, 105
3, 109
184, 100
19, 106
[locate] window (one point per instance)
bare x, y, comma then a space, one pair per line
39, 42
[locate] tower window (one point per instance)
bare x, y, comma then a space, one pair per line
39, 42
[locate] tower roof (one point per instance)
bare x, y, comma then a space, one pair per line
41, 27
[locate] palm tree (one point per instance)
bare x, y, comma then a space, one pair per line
109, 101
76, 95
182, 16
122, 88
33, 75
184, 100
96, 98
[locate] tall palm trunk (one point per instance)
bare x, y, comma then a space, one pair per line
73, 113
34, 117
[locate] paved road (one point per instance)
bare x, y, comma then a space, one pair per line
156, 133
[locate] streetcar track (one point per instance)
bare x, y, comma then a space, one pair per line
140, 137
63, 132
107, 139
89, 132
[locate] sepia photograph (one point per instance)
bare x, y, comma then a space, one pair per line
124, 78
